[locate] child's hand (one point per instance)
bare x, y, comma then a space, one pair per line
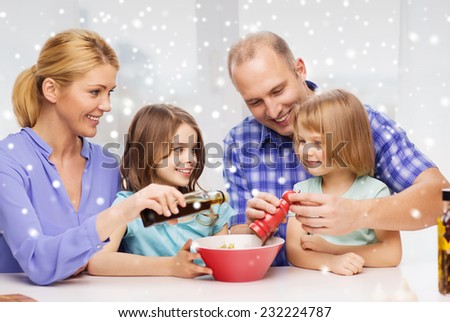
316, 243
346, 264
184, 265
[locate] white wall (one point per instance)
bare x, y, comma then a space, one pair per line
392, 53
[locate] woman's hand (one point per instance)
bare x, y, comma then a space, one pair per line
160, 198
183, 265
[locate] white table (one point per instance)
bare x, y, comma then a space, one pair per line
283, 284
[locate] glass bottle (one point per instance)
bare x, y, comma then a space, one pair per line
265, 227
196, 201
444, 245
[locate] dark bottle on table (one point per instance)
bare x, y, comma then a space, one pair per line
265, 227
444, 245
196, 201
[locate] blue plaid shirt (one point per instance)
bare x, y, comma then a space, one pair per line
257, 158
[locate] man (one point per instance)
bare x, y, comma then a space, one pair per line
260, 163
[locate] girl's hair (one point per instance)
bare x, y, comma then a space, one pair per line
65, 57
247, 48
341, 114
149, 141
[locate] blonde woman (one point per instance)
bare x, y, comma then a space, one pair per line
334, 144
56, 186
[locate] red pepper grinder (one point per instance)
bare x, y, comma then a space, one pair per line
265, 227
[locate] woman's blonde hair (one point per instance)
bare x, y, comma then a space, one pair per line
65, 57
341, 114
149, 140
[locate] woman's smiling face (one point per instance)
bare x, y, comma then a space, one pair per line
81, 105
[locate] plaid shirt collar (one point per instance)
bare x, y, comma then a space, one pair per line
269, 136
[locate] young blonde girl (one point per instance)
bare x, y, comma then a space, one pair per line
334, 143
164, 146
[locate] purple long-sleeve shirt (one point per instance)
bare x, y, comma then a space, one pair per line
40, 231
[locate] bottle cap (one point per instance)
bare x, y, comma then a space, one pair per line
446, 194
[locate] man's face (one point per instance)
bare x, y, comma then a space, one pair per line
270, 88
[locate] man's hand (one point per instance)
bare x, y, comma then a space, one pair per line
325, 214
261, 204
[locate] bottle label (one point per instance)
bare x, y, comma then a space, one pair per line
443, 242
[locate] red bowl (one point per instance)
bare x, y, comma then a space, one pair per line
247, 261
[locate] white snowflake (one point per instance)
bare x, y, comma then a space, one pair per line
114, 134
198, 109
33, 233
56, 184
215, 114
100, 201
415, 213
